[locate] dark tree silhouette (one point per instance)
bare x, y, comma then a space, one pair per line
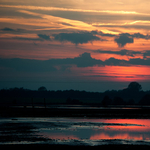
106, 101
69, 100
118, 101
134, 86
131, 102
145, 100
42, 88
73, 101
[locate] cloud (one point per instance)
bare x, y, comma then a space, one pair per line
85, 60
146, 53
83, 36
123, 39
6, 29
31, 65
19, 31
44, 36
130, 62
135, 35
53, 65
106, 34
123, 52
138, 61
26, 65
139, 35
77, 38
115, 62
29, 7
28, 39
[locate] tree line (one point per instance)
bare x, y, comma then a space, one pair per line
132, 95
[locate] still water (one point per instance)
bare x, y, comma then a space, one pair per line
79, 130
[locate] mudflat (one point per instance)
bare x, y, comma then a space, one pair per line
139, 112
16, 133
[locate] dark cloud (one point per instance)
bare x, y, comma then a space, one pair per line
139, 35
125, 52
30, 65
122, 52
83, 60
26, 65
146, 54
82, 36
123, 39
119, 62
12, 30
44, 36
17, 31
138, 61
115, 62
7, 29
77, 38
28, 39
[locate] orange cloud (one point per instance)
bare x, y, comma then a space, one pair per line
71, 9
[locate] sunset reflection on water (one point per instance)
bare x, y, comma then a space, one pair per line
86, 131
101, 129
132, 129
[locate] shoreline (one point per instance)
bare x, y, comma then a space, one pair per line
143, 113
112, 146
25, 129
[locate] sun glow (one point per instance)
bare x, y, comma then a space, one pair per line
119, 73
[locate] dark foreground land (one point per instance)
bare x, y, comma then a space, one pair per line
43, 146
139, 112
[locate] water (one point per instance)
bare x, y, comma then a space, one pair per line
76, 107
75, 131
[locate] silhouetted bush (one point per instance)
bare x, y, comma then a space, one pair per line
131, 102
42, 88
73, 101
118, 101
106, 101
145, 100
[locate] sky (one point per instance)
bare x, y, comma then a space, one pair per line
74, 44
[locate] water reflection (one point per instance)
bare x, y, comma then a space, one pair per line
74, 129
76, 107
101, 129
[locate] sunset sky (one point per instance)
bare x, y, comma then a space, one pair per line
92, 45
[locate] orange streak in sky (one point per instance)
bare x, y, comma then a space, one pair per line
118, 73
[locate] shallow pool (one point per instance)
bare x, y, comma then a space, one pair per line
75, 131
